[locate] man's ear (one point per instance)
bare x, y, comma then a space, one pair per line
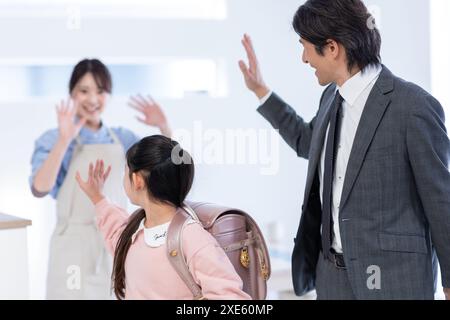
333, 48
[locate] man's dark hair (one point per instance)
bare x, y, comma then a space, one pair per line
347, 22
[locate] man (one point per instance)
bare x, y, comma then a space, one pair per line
377, 198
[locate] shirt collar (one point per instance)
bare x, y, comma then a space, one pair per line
354, 86
149, 234
86, 132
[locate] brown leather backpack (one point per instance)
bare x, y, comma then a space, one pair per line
238, 235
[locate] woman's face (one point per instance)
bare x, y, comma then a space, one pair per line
89, 99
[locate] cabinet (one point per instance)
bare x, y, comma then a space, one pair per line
14, 278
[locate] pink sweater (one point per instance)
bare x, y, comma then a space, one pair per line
149, 274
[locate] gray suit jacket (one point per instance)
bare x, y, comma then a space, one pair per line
395, 205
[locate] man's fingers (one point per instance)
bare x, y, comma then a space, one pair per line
251, 55
246, 47
244, 68
249, 47
249, 42
252, 62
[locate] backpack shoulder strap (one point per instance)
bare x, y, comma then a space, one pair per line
175, 252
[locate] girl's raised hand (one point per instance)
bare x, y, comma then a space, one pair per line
68, 129
97, 176
151, 113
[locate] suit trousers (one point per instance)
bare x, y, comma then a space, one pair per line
332, 283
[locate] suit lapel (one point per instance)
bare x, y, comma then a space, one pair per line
370, 119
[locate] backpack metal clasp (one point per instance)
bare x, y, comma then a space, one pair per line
245, 258
264, 271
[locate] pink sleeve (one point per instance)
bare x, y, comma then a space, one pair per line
210, 266
111, 220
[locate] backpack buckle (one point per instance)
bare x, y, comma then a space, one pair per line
264, 271
244, 257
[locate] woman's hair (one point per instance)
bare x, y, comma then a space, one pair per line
348, 22
168, 172
99, 71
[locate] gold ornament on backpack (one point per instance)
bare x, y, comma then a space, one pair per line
245, 258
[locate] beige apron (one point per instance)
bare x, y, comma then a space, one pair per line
79, 265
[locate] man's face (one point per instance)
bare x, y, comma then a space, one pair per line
323, 64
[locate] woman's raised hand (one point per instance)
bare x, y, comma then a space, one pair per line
68, 129
97, 176
151, 113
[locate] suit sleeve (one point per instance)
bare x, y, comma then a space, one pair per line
429, 153
292, 128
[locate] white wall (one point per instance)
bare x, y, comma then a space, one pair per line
440, 62
268, 198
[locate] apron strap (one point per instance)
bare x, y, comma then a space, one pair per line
78, 140
111, 134
114, 136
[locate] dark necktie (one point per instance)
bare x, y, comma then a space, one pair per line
330, 160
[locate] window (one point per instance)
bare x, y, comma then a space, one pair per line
156, 9
167, 78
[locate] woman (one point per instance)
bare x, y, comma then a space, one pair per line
79, 267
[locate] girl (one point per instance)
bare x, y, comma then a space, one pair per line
141, 266
78, 264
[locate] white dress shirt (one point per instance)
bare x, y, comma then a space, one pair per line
355, 92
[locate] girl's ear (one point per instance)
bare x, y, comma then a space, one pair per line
138, 181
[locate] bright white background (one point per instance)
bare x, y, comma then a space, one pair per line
406, 50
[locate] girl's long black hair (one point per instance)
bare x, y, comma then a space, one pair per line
169, 173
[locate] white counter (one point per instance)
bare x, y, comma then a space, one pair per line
14, 283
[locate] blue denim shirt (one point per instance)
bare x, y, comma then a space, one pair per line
47, 140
